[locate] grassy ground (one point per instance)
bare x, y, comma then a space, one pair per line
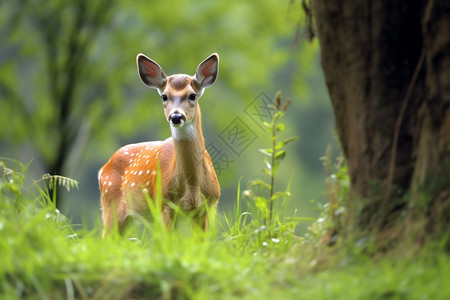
44, 256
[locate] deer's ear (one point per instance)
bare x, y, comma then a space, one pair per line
207, 71
150, 72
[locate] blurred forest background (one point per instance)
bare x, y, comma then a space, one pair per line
70, 94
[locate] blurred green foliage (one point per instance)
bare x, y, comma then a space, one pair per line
68, 73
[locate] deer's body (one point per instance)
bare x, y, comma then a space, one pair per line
187, 174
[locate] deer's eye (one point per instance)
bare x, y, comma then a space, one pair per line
164, 98
192, 96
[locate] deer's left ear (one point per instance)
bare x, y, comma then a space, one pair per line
207, 71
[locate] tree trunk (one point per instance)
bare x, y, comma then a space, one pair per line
387, 68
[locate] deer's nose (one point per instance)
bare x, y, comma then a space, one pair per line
176, 118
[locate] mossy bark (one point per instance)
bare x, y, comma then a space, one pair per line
387, 68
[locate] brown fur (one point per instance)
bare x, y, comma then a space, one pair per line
179, 82
188, 175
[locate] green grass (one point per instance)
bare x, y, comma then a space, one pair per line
44, 256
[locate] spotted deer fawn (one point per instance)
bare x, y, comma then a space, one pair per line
187, 173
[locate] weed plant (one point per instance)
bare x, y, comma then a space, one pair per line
265, 223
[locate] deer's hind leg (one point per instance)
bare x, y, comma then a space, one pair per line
114, 214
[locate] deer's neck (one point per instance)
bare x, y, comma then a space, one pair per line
189, 151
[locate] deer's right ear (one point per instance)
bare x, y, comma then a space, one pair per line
150, 72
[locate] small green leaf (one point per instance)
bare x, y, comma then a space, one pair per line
281, 144
280, 155
267, 152
268, 125
278, 114
280, 194
280, 127
275, 166
268, 165
259, 182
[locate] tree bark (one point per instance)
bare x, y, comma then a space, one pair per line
387, 68
431, 180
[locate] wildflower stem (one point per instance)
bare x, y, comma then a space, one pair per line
272, 171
